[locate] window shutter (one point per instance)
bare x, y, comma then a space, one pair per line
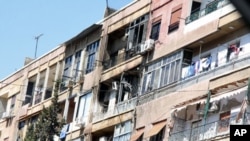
176, 14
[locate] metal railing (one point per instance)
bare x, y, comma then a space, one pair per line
207, 131
119, 108
212, 6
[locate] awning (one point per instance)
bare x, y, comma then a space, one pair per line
156, 128
230, 94
137, 134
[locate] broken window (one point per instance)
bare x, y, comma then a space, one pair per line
137, 32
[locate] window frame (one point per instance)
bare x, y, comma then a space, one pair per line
85, 110
156, 27
169, 61
77, 63
91, 50
120, 133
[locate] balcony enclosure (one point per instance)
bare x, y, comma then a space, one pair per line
191, 124
126, 42
200, 9
165, 71
227, 52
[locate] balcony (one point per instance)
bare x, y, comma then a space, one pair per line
232, 65
211, 7
120, 108
207, 131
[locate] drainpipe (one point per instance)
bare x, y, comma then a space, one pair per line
206, 109
207, 105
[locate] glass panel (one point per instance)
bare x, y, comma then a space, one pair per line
81, 107
172, 72
87, 106
177, 70
156, 78
163, 72
166, 76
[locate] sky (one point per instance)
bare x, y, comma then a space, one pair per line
58, 21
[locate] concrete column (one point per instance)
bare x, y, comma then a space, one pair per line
45, 82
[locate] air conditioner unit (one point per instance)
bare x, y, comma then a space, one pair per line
7, 115
149, 44
79, 122
114, 85
68, 83
103, 139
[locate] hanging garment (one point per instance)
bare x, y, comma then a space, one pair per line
197, 67
206, 63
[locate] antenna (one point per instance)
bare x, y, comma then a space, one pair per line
107, 3
37, 38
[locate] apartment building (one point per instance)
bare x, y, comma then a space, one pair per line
25, 92
153, 70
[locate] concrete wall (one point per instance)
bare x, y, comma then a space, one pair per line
160, 108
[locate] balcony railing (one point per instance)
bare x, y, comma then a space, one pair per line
212, 6
206, 131
122, 107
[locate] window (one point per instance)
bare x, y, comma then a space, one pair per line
175, 19
29, 93
77, 63
67, 67
155, 31
224, 122
123, 131
196, 130
84, 106
21, 125
163, 72
91, 50
13, 101
137, 32
38, 94
159, 136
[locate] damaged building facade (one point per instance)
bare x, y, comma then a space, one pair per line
153, 70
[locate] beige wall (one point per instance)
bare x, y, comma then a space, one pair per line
161, 108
